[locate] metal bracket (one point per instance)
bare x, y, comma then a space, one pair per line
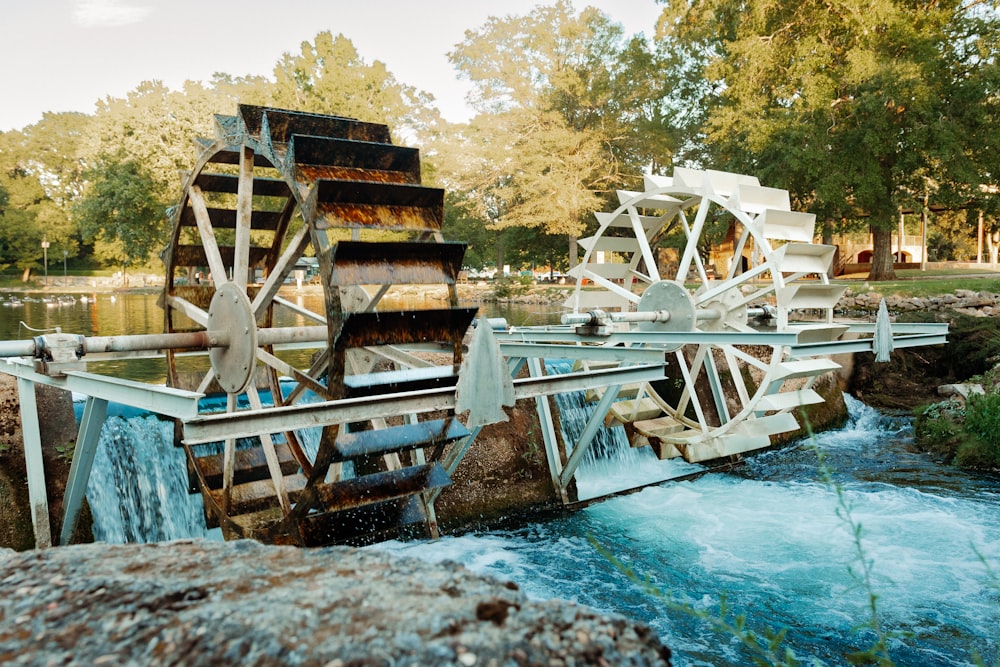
57, 353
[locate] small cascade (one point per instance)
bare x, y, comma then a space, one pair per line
138, 488
611, 464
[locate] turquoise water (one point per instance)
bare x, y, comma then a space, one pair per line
776, 544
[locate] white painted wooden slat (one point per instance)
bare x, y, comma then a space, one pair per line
725, 445
623, 220
661, 202
690, 179
818, 333
659, 427
627, 244
654, 181
800, 368
810, 295
611, 271
725, 183
625, 412
757, 199
804, 258
590, 299
788, 399
787, 225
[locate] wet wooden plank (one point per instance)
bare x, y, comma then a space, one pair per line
381, 486
395, 263
194, 255
283, 124
363, 155
405, 327
230, 184
225, 218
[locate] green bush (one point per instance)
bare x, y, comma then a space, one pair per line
939, 428
982, 421
511, 286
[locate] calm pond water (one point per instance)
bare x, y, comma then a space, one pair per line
105, 314
773, 540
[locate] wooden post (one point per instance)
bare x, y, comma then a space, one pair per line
32, 435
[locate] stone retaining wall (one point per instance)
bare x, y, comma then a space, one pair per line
967, 302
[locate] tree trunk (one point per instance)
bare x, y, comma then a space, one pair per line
827, 235
500, 246
574, 248
881, 255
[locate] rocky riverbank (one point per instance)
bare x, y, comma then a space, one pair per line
211, 603
962, 301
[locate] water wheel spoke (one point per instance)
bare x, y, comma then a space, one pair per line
228, 459
282, 268
203, 220
716, 291
283, 367
244, 212
693, 234
270, 455
299, 310
195, 313
732, 362
645, 250
690, 396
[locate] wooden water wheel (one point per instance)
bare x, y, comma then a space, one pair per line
276, 196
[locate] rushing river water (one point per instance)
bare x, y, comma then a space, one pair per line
775, 540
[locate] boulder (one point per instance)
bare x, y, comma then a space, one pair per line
960, 390
203, 602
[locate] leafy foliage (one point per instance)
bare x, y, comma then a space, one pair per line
569, 109
901, 97
328, 76
122, 211
982, 420
872, 86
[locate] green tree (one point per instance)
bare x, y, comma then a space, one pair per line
855, 107
156, 126
328, 76
40, 170
122, 211
568, 111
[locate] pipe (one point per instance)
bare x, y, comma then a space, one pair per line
167, 341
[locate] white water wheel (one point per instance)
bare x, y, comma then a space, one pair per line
724, 396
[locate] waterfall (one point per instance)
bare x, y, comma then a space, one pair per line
138, 487
611, 464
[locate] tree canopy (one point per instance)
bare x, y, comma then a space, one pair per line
857, 107
122, 211
568, 111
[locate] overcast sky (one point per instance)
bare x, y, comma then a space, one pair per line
65, 55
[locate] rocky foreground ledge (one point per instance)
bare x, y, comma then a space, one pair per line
210, 603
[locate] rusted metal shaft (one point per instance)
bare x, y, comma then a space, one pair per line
196, 340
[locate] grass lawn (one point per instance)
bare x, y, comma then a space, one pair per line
914, 282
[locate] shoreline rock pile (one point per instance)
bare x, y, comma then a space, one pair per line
966, 302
